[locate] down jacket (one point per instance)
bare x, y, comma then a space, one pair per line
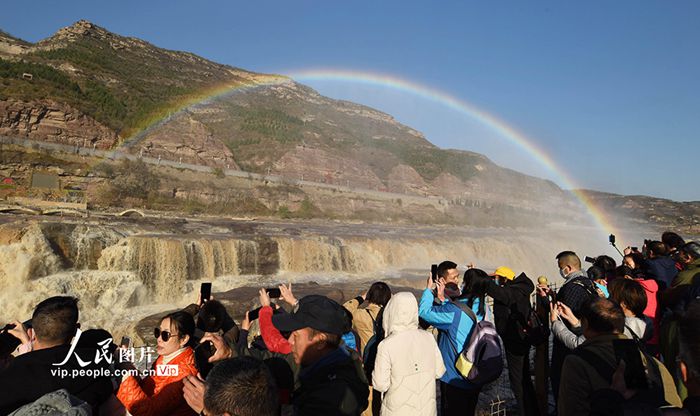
408, 361
159, 394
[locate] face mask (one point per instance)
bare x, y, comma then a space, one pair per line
562, 273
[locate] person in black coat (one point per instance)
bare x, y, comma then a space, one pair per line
511, 305
54, 363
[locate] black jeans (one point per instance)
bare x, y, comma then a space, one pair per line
458, 402
521, 383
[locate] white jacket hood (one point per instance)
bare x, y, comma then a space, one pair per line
400, 314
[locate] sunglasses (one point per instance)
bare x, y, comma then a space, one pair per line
165, 335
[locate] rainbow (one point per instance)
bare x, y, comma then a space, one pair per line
470, 110
499, 126
202, 97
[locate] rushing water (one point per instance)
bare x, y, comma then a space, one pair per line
122, 271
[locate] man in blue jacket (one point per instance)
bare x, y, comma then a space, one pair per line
458, 396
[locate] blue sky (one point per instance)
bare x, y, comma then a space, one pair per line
610, 90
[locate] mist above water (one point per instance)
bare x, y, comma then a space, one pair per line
140, 274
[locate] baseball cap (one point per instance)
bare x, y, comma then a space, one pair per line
504, 271
692, 248
317, 312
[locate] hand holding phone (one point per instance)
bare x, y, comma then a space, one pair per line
8, 327
125, 342
253, 315
202, 353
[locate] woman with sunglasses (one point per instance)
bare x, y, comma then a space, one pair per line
159, 394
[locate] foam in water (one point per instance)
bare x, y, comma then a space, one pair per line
28, 258
145, 274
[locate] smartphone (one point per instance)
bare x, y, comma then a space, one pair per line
553, 296
611, 239
635, 249
253, 315
273, 292
589, 259
635, 376
433, 272
205, 291
125, 342
202, 353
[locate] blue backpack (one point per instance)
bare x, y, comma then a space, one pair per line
481, 359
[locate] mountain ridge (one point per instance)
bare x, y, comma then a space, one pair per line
90, 87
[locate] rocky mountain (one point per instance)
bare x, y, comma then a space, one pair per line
645, 212
87, 87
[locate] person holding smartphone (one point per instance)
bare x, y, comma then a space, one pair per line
593, 364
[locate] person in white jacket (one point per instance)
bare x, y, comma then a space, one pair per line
408, 361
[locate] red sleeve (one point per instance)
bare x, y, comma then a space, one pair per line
274, 341
167, 401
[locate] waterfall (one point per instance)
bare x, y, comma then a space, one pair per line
122, 274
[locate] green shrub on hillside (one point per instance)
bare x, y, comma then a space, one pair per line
274, 124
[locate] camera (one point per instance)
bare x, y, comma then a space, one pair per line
8, 327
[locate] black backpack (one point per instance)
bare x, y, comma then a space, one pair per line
587, 284
534, 331
369, 355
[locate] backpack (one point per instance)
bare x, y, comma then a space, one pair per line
587, 284
481, 359
369, 355
535, 332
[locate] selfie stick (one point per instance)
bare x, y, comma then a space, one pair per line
618, 250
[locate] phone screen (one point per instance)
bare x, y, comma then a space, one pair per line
433, 272
205, 291
627, 350
253, 315
274, 292
125, 342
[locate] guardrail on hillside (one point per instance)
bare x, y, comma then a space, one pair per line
438, 202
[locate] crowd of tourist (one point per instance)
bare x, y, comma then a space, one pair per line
625, 339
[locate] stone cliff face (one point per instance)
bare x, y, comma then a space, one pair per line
10, 46
320, 166
187, 140
53, 122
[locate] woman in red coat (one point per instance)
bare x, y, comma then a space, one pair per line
162, 394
